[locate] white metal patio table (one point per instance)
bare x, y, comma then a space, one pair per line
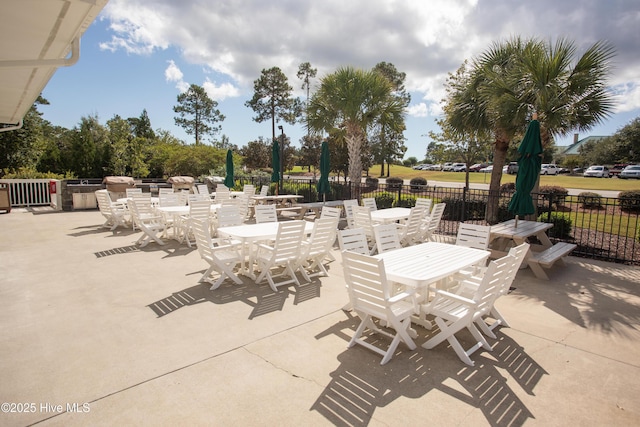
386, 216
249, 234
176, 212
422, 265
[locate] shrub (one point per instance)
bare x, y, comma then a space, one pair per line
508, 187
561, 224
30, 173
384, 200
394, 183
460, 210
370, 184
629, 200
418, 184
406, 202
590, 200
553, 194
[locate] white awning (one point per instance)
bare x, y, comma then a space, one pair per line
36, 38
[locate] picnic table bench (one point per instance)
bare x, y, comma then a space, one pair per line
314, 207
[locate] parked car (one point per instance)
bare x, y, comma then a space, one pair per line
436, 167
617, 169
630, 172
597, 172
548, 169
477, 167
578, 170
563, 170
512, 168
448, 167
459, 167
488, 169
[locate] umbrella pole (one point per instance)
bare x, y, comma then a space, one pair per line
516, 226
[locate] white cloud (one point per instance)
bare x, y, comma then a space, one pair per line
424, 39
222, 92
173, 74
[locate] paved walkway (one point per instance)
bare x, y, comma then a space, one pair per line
95, 331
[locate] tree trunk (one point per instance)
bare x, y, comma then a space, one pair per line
499, 157
354, 148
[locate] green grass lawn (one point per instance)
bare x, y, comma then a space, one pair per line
567, 181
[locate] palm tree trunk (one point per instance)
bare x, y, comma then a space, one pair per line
499, 157
354, 148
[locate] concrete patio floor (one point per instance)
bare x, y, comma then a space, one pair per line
95, 331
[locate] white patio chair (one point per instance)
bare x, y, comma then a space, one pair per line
249, 190
151, 224
116, 214
387, 238
170, 199
242, 201
265, 213
348, 211
227, 216
221, 255
130, 191
370, 202
362, 219
372, 297
145, 198
222, 194
165, 190
473, 236
198, 210
423, 202
410, 230
264, 190
468, 287
353, 240
330, 212
317, 248
431, 222
203, 189
285, 253
454, 312
195, 197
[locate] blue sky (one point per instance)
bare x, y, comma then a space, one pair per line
139, 54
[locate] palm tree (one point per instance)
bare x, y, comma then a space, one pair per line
347, 104
514, 79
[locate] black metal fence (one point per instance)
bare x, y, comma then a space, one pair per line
602, 227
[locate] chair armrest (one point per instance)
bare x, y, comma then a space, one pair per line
460, 299
401, 296
263, 246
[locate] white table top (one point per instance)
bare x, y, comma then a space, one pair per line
390, 215
182, 210
125, 200
278, 197
426, 263
524, 229
262, 231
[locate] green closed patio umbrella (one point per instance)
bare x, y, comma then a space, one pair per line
325, 167
228, 180
275, 163
530, 150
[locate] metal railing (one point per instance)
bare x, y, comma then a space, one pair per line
28, 192
603, 228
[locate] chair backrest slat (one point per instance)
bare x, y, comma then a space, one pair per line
265, 213
473, 236
387, 237
353, 240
